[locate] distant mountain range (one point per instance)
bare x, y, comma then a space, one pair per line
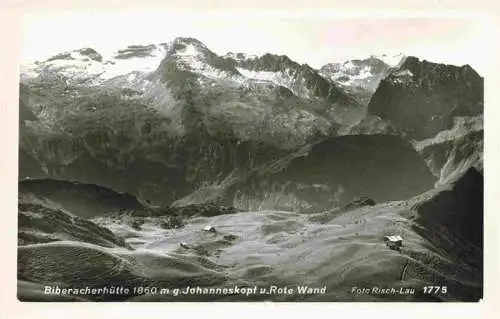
175, 122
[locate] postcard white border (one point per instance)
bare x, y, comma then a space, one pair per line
11, 32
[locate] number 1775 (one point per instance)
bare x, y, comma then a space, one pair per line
435, 289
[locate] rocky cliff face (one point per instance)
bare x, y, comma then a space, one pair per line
452, 152
200, 125
422, 98
164, 133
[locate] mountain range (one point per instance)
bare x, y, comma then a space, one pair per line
174, 129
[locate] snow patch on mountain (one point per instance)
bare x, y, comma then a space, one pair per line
141, 64
391, 60
195, 57
240, 56
358, 74
349, 76
402, 76
364, 73
262, 75
189, 50
131, 67
80, 67
285, 79
192, 59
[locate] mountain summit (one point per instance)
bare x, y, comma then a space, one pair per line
126, 160
179, 108
361, 76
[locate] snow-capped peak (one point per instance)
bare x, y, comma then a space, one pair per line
359, 73
240, 56
192, 55
391, 60
189, 41
88, 64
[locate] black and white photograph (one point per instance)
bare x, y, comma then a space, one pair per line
250, 158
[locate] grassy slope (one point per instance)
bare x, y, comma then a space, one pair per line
337, 249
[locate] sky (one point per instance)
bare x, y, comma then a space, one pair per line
315, 40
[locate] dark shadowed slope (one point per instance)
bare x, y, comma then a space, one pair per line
25, 113
422, 98
332, 172
451, 220
82, 200
29, 167
41, 224
461, 215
